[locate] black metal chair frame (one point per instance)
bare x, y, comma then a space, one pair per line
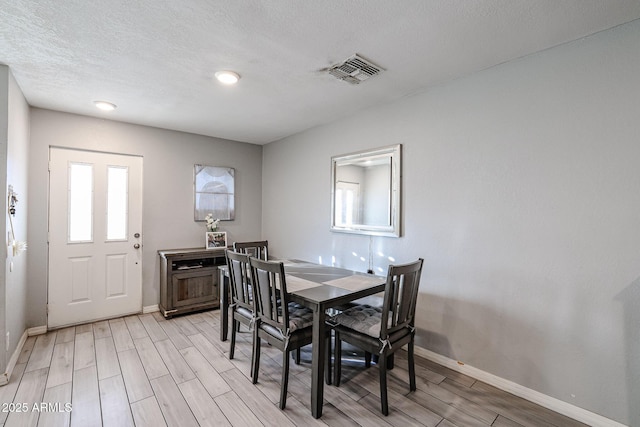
396, 327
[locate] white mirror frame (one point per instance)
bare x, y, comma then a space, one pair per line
394, 152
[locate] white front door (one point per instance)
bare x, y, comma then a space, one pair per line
95, 236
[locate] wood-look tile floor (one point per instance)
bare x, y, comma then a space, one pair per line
147, 371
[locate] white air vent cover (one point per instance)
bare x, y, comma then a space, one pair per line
355, 70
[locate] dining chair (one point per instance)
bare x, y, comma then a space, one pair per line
286, 329
383, 330
258, 249
242, 311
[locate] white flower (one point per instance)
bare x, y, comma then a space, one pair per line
18, 247
212, 224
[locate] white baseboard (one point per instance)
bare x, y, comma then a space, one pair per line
38, 330
6, 376
548, 402
150, 309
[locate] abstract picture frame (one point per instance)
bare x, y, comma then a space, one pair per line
214, 192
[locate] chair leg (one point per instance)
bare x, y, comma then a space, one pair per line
296, 356
256, 356
327, 361
285, 379
232, 348
412, 367
384, 402
253, 362
337, 359
367, 359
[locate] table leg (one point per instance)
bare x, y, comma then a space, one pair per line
224, 305
317, 364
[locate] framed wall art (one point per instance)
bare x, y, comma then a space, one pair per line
214, 192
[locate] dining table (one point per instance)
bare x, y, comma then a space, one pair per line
320, 288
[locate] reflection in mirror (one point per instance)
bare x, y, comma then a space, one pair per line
366, 192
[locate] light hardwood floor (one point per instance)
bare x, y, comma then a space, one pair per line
147, 371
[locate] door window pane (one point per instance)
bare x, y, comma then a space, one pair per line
117, 196
80, 202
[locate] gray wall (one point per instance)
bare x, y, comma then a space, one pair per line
17, 175
14, 144
167, 182
521, 191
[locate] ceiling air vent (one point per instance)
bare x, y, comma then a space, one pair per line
355, 70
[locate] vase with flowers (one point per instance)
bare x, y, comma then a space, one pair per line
213, 237
212, 224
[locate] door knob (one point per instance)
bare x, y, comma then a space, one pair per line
136, 246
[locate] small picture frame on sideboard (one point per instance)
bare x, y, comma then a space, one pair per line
215, 239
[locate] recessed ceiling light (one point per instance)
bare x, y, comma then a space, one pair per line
105, 106
227, 77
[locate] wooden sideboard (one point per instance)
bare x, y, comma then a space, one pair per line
189, 280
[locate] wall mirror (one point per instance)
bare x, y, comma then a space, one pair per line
365, 192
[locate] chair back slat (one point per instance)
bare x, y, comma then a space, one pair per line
239, 279
401, 294
258, 249
270, 300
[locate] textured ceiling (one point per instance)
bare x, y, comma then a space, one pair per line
156, 59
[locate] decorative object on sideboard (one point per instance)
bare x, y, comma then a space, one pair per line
215, 239
212, 224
